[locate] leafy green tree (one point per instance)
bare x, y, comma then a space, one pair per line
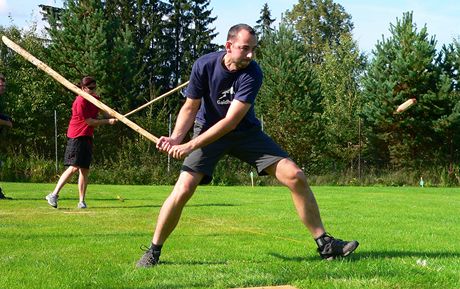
325, 30
339, 75
404, 67
319, 23
289, 100
31, 98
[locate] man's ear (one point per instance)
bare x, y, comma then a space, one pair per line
228, 46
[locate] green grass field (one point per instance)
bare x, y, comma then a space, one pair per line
229, 237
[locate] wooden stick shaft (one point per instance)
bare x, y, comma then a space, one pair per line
158, 98
76, 89
404, 106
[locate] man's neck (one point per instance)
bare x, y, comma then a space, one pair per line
228, 64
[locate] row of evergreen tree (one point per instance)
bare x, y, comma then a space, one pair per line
324, 101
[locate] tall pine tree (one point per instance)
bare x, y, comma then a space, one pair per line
448, 126
85, 42
404, 67
264, 23
289, 100
145, 20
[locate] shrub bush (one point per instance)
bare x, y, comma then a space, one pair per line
141, 163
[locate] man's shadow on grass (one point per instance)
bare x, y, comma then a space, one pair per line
363, 255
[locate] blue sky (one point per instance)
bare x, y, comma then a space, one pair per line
371, 18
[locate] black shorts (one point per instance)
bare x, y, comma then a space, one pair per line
79, 152
252, 146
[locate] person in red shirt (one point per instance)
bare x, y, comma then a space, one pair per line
79, 150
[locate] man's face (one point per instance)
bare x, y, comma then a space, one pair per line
241, 49
2, 86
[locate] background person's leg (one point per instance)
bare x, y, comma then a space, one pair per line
82, 186
65, 177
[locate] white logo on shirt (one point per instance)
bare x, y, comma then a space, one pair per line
226, 97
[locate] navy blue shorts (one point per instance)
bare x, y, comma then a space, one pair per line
79, 152
252, 146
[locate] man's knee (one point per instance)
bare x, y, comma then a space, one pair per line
290, 173
73, 169
185, 187
182, 194
298, 176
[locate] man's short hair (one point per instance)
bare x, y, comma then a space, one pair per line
2, 77
233, 32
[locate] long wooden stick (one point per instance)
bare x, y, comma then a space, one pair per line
76, 89
158, 98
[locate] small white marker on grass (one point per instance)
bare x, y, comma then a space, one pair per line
421, 262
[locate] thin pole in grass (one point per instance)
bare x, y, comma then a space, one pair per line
55, 140
169, 134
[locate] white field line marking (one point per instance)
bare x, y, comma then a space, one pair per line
76, 212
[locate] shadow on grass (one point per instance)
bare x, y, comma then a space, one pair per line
402, 254
76, 198
356, 256
158, 206
193, 263
83, 235
124, 206
26, 199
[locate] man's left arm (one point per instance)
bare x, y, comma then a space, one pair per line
235, 114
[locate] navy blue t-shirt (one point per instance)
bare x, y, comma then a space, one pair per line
217, 87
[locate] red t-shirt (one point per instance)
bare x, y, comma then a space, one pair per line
81, 110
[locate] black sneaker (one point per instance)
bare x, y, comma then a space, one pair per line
330, 248
149, 259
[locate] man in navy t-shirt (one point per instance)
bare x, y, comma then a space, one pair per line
220, 107
221, 86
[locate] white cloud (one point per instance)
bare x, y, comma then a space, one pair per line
3, 6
